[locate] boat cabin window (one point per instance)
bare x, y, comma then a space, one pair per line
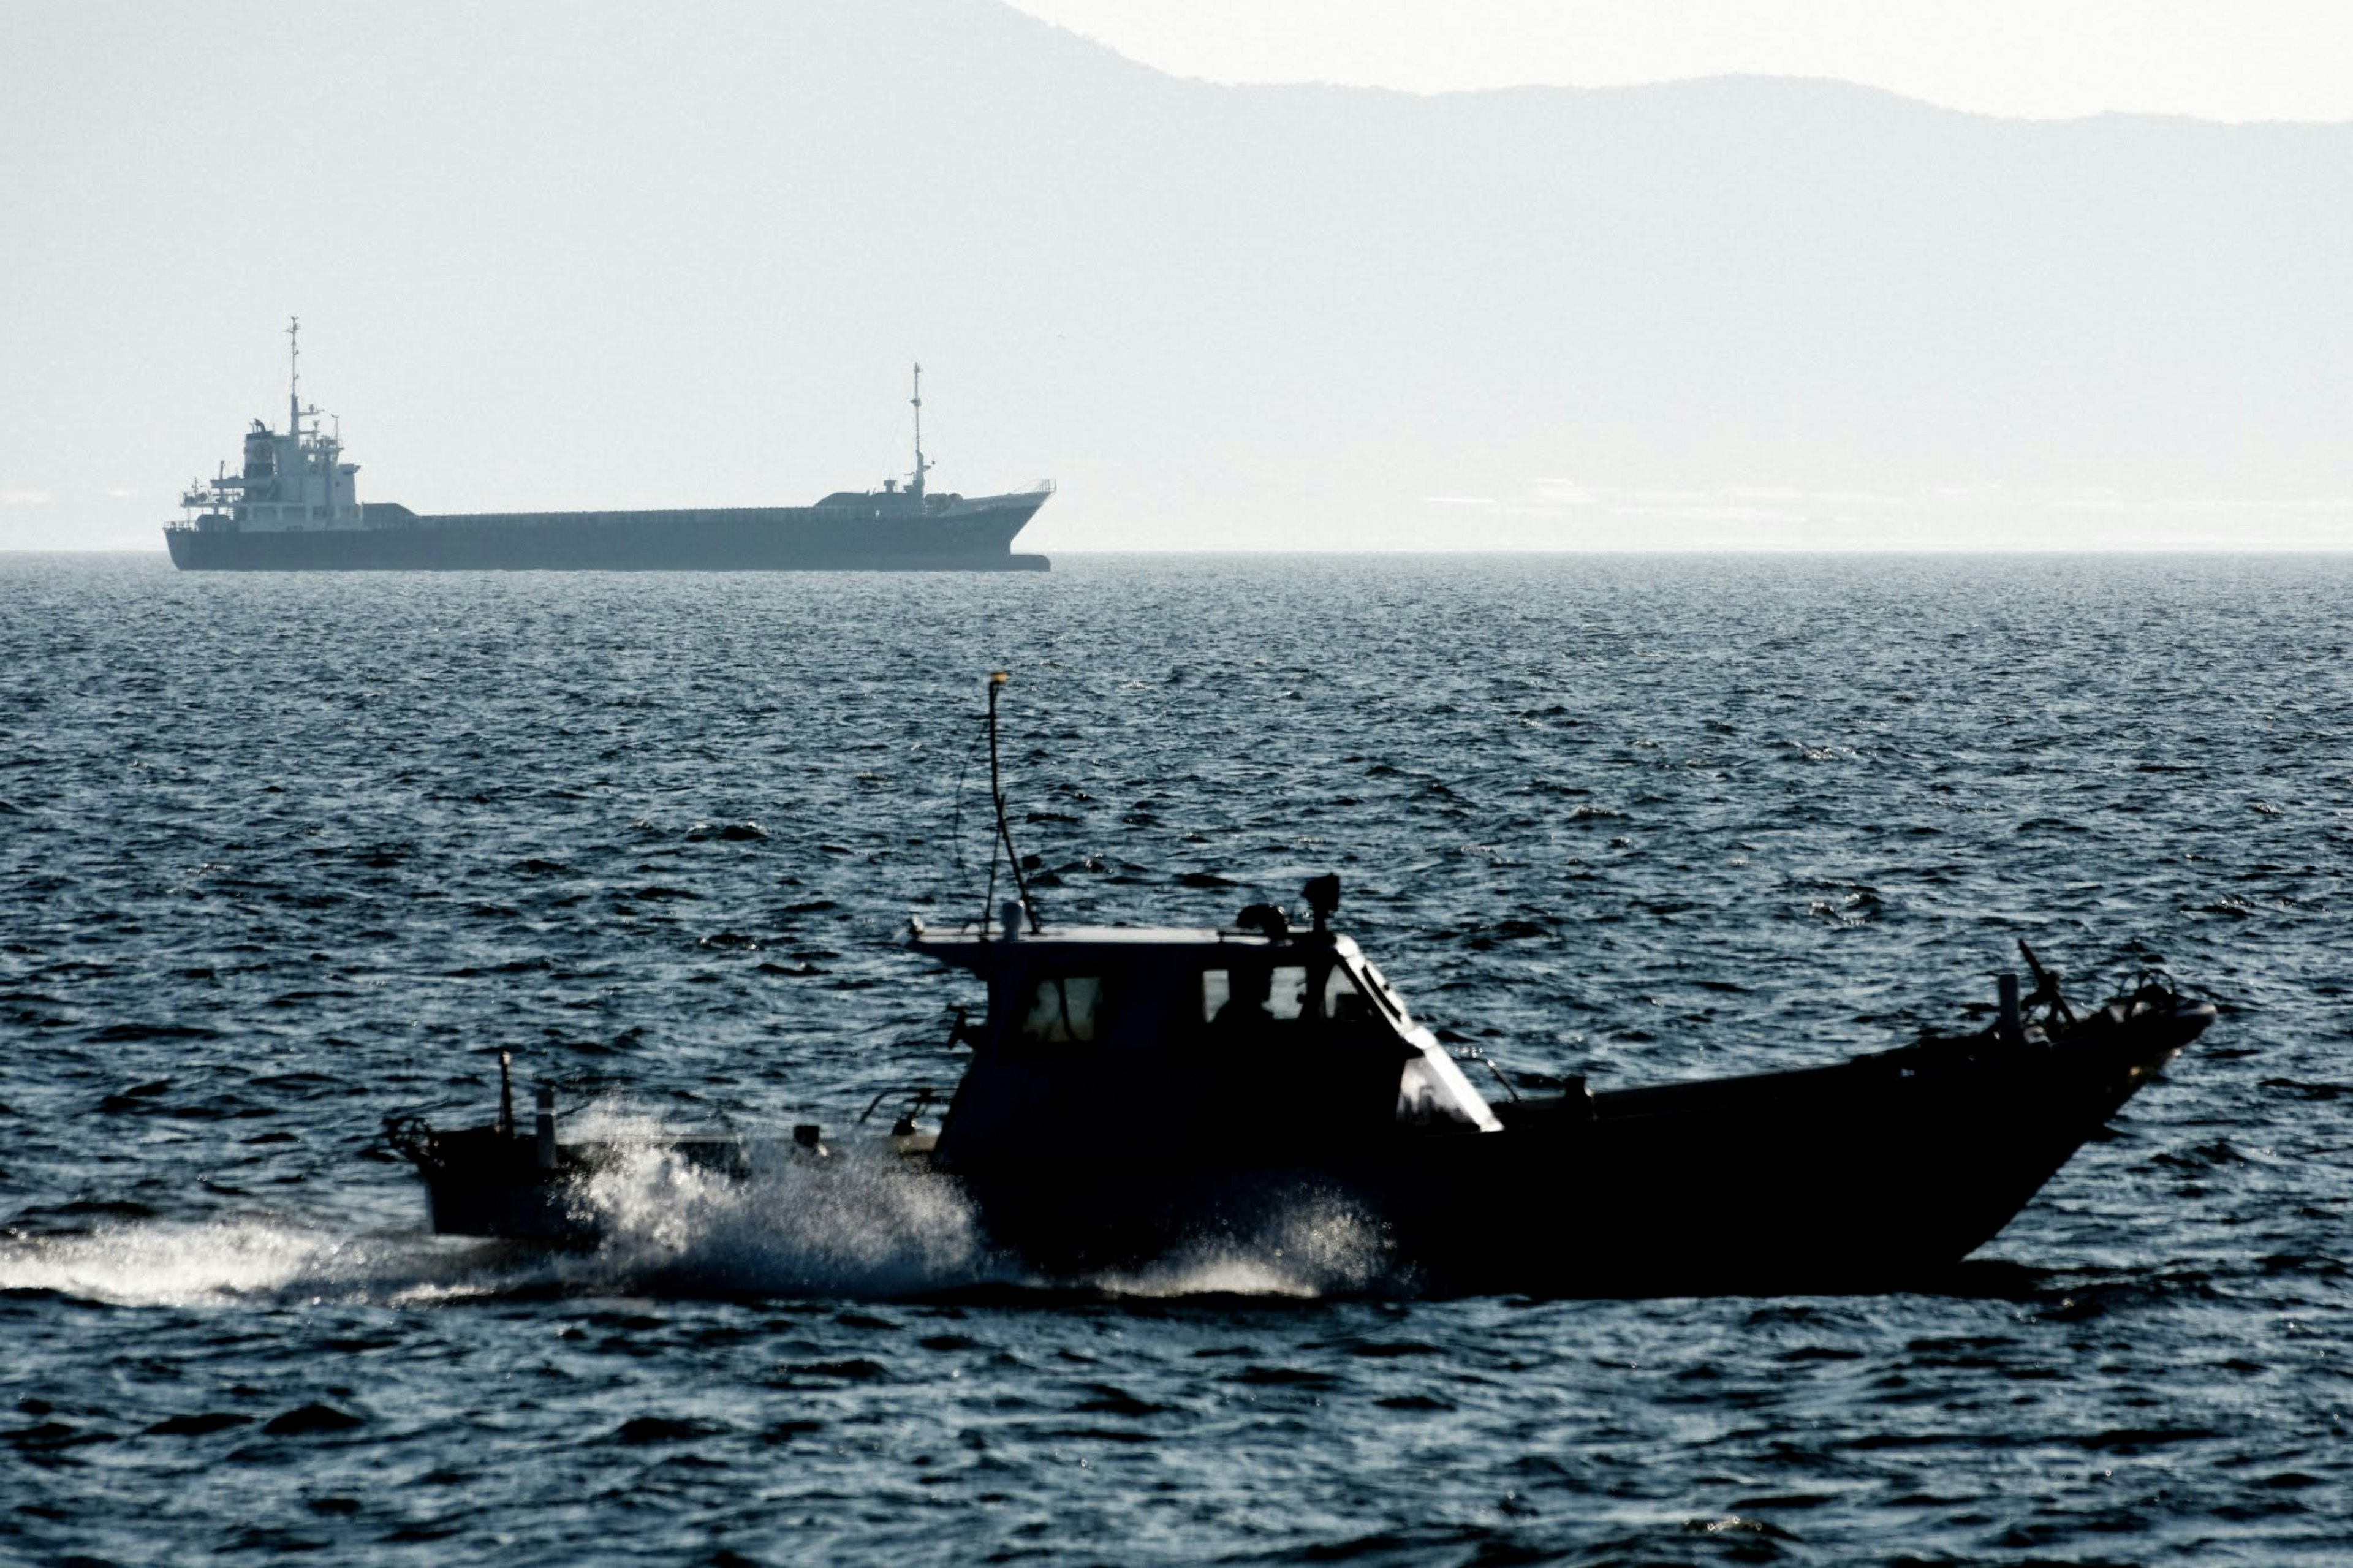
1285, 994
1217, 989
1236, 997
1064, 1009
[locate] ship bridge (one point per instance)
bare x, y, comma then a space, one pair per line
288, 481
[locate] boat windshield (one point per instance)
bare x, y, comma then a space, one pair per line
1342, 1003
1283, 993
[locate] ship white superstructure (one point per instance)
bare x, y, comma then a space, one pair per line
290, 481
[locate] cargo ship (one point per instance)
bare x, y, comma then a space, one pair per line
293, 506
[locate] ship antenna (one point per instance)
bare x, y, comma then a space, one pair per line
294, 376
920, 465
997, 794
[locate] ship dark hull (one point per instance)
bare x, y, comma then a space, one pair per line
968, 537
1872, 1175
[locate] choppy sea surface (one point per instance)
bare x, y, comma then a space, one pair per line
281, 855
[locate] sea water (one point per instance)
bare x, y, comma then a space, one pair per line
280, 856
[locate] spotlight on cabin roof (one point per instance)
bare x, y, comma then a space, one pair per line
1323, 896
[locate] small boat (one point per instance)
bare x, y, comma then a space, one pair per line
1135, 1090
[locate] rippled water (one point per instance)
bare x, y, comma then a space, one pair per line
280, 856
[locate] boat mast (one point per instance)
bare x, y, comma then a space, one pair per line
1004, 830
918, 401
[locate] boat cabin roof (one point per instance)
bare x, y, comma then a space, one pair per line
984, 947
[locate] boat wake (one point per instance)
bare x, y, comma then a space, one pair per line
161, 1263
856, 1227
863, 1225
1304, 1244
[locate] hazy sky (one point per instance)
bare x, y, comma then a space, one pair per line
554, 254
2242, 59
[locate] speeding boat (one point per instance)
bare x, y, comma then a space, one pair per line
1133, 1091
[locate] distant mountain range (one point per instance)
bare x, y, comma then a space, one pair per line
557, 255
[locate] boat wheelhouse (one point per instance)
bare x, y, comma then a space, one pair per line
1253, 1041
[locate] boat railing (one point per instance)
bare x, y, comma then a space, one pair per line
913, 1098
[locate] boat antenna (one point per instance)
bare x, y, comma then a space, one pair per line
920, 465
1004, 833
294, 376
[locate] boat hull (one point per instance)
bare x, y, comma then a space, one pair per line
967, 537
1868, 1175
1875, 1173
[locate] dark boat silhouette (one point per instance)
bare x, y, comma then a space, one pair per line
1135, 1090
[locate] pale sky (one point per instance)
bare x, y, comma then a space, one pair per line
559, 254
2217, 59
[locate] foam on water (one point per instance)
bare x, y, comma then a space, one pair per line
231, 1262
864, 1224
1307, 1243
859, 1224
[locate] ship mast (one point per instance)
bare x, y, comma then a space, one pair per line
294, 376
918, 402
